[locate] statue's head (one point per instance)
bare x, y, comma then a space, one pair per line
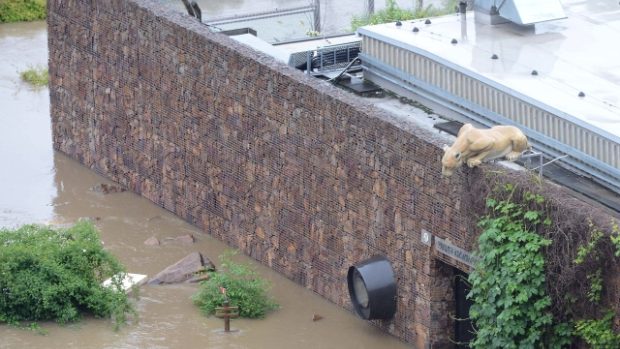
451, 160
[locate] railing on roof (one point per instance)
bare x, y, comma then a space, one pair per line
590, 151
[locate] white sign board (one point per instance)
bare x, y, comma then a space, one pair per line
455, 252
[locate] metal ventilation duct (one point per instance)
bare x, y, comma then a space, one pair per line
372, 288
523, 12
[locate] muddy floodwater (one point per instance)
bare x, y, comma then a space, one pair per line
38, 185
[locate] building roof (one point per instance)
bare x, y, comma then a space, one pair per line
572, 55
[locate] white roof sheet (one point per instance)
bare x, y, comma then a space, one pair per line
262, 46
580, 53
313, 44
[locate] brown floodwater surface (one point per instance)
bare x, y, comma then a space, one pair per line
26, 155
38, 185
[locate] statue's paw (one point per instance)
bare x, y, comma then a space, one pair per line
512, 156
473, 162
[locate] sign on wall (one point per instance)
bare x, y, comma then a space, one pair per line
455, 252
447, 248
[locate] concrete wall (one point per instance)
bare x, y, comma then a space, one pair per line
292, 171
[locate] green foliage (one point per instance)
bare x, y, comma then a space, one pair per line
589, 249
561, 337
393, 13
599, 333
596, 286
48, 274
615, 238
511, 307
244, 289
36, 76
22, 10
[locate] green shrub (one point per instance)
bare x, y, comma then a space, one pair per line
48, 274
244, 288
22, 10
36, 76
393, 13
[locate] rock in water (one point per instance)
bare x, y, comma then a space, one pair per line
152, 241
183, 270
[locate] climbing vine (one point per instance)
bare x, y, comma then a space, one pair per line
598, 333
615, 238
511, 307
541, 282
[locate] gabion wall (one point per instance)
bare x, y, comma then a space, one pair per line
297, 174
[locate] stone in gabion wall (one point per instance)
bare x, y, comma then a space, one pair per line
295, 173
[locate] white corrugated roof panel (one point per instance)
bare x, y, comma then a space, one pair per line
576, 54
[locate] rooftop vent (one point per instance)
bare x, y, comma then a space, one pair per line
522, 12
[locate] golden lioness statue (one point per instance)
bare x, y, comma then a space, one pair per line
473, 146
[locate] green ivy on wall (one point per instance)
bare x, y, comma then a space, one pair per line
511, 307
598, 333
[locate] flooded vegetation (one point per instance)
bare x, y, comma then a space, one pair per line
36, 76
22, 10
38, 185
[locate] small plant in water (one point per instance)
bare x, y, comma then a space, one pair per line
244, 289
36, 76
22, 10
49, 274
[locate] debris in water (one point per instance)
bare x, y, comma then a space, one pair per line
129, 280
105, 188
184, 270
186, 239
226, 311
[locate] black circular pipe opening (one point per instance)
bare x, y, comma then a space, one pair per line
372, 288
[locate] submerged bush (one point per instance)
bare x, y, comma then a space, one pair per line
22, 10
49, 274
244, 289
36, 76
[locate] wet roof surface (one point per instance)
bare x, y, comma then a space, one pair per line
572, 55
